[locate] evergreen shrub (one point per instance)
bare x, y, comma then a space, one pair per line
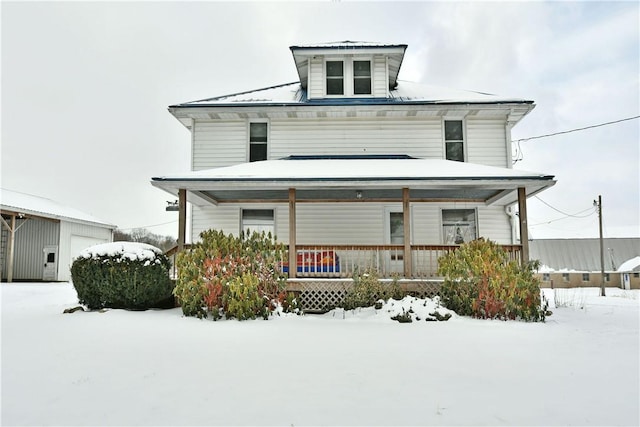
480, 281
367, 289
124, 275
235, 277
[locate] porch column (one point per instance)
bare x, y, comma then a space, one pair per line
12, 241
406, 218
182, 218
524, 231
293, 268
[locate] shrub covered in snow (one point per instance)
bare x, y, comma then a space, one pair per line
480, 281
122, 275
238, 277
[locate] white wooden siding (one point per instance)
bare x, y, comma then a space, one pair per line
413, 136
380, 77
486, 142
315, 82
343, 223
216, 144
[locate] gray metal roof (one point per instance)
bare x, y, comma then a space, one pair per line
584, 254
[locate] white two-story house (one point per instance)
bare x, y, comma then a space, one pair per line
353, 168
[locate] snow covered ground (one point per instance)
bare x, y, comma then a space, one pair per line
354, 368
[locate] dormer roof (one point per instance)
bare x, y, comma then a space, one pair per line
393, 52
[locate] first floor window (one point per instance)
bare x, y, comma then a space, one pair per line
585, 277
454, 140
458, 226
258, 220
546, 277
257, 142
565, 277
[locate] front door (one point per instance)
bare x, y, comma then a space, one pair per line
50, 271
395, 236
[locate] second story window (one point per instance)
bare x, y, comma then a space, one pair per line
454, 140
362, 77
335, 78
257, 142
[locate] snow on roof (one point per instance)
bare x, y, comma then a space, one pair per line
405, 93
348, 44
632, 264
355, 168
43, 207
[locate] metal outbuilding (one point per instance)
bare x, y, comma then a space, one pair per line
40, 237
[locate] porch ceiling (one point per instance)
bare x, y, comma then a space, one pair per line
355, 179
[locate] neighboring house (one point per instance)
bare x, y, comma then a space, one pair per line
577, 262
40, 237
355, 168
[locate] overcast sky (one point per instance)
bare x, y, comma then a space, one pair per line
86, 86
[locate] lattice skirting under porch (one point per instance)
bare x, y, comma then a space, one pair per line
322, 295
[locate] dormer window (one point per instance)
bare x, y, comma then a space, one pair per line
348, 77
335, 78
362, 77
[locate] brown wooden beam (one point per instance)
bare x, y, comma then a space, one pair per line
406, 217
182, 218
293, 268
524, 231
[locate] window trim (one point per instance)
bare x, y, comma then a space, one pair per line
348, 75
273, 210
249, 143
464, 137
442, 223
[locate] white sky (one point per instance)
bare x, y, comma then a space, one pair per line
85, 90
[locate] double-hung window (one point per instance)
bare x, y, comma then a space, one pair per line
348, 77
458, 226
258, 220
258, 134
454, 140
335, 78
362, 77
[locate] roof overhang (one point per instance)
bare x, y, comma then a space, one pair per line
355, 179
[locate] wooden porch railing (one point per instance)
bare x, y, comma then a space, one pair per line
342, 261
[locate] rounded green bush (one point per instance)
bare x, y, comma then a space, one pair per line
125, 275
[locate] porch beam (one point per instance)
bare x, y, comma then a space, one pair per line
522, 217
293, 268
182, 218
406, 217
367, 200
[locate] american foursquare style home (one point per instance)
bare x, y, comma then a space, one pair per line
354, 169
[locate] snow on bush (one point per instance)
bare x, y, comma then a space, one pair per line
126, 275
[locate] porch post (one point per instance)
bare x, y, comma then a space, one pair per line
524, 232
406, 218
12, 240
182, 218
293, 268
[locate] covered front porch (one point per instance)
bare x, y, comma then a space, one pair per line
355, 181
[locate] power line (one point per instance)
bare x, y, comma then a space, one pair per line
575, 215
519, 156
576, 129
147, 226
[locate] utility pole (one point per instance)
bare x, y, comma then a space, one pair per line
598, 204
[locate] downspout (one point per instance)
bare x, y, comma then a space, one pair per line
509, 210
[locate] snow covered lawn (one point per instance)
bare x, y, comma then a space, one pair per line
159, 368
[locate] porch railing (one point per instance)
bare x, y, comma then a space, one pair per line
342, 261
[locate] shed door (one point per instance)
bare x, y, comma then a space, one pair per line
50, 272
